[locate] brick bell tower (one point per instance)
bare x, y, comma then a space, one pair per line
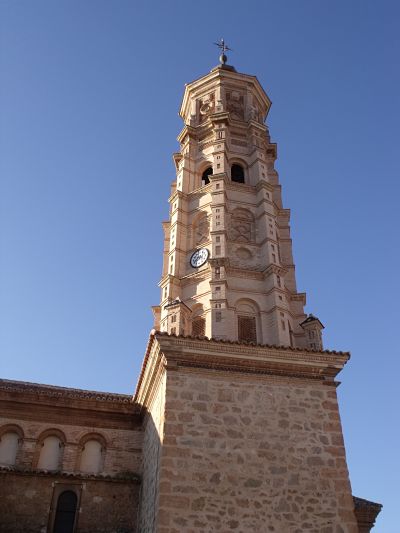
241, 422
228, 269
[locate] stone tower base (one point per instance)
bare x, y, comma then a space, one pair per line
242, 438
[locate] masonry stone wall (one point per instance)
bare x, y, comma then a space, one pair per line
153, 431
105, 506
246, 453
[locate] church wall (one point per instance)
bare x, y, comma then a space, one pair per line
153, 432
252, 454
122, 449
104, 505
58, 427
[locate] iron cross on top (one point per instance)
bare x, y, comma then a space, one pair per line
223, 47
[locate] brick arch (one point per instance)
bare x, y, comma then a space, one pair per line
15, 451
12, 428
52, 432
93, 436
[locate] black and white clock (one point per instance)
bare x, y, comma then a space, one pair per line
199, 257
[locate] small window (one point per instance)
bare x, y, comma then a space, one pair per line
173, 331
237, 174
218, 316
173, 318
247, 329
205, 180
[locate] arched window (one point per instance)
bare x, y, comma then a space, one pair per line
237, 173
65, 512
91, 458
9, 442
50, 453
205, 180
247, 317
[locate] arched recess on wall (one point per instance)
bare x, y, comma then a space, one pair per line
11, 437
237, 172
92, 451
242, 227
198, 321
248, 320
50, 450
200, 229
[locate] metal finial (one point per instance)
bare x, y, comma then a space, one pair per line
223, 47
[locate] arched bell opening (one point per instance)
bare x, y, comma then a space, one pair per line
205, 177
237, 173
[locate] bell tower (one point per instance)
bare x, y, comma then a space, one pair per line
240, 414
228, 269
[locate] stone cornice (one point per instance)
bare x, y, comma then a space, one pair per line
33, 402
173, 352
366, 513
274, 269
53, 391
264, 184
128, 477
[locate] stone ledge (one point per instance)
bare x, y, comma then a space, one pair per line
126, 477
64, 392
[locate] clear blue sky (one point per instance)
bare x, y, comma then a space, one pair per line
89, 95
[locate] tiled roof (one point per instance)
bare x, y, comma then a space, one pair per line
272, 346
63, 392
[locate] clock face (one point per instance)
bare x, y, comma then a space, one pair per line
199, 257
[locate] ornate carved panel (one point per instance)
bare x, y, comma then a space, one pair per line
206, 106
242, 226
235, 104
201, 230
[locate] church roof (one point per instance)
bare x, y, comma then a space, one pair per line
62, 392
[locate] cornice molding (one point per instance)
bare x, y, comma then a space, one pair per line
170, 351
116, 478
53, 391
